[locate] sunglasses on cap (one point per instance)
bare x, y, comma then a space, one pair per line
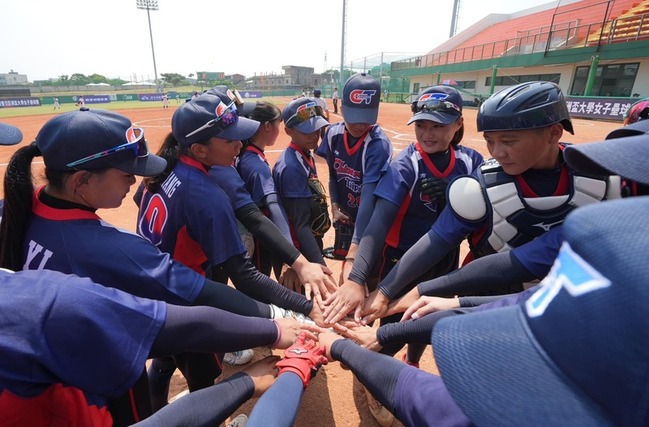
225, 116
431, 104
135, 142
304, 113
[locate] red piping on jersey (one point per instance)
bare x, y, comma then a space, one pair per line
194, 163
131, 399
54, 214
351, 151
431, 167
392, 239
257, 150
562, 185
307, 158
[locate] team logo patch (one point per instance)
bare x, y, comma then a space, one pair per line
220, 109
571, 272
428, 96
360, 96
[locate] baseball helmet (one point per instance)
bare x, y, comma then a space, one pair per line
528, 105
638, 111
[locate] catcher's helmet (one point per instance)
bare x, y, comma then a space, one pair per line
528, 105
638, 111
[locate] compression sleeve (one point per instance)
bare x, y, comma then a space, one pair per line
220, 295
207, 407
373, 240
278, 406
210, 330
251, 282
278, 215
491, 273
266, 232
413, 331
428, 251
365, 210
414, 396
299, 211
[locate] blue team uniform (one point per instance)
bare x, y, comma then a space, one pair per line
186, 213
364, 163
43, 378
230, 181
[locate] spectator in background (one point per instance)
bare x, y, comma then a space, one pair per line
334, 98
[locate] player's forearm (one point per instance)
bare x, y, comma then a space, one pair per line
365, 210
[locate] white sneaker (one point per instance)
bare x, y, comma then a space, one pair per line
240, 357
239, 421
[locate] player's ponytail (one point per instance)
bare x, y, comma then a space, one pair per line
17, 209
169, 151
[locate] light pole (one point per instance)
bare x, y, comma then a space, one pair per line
150, 5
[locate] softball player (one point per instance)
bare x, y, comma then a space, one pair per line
357, 152
295, 171
522, 193
91, 157
49, 374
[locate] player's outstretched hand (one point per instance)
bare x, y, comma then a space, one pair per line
326, 338
365, 336
317, 279
303, 358
263, 373
376, 306
290, 280
400, 305
349, 297
426, 305
290, 329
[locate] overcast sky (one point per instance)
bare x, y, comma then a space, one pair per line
49, 38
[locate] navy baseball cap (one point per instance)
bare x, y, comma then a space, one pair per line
624, 153
304, 115
212, 114
10, 135
95, 139
361, 98
575, 353
440, 104
244, 108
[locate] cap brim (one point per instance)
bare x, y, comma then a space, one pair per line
150, 165
435, 116
312, 125
241, 130
499, 375
621, 156
360, 115
637, 128
10, 135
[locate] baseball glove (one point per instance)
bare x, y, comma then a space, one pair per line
342, 241
320, 221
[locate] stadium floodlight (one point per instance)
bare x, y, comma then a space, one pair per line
150, 5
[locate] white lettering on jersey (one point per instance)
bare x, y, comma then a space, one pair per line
35, 249
171, 183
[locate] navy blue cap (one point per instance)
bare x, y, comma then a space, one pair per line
624, 152
10, 135
309, 126
444, 116
198, 111
575, 353
74, 135
361, 98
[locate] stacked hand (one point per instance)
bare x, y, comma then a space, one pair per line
303, 359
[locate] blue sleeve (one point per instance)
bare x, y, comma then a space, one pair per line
231, 182
368, 201
278, 406
277, 214
538, 255
379, 155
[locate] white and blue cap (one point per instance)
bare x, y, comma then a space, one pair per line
10, 135
361, 99
304, 115
575, 353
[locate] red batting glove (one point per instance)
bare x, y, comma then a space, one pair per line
303, 358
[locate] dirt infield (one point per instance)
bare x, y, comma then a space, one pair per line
334, 396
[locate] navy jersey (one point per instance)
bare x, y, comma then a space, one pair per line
64, 352
77, 241
363, 163
256, 174
401, 186
228, 178
292, 172
185, 216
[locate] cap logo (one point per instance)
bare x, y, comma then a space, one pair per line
359, 96
437, 96
220, 109
569, 271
